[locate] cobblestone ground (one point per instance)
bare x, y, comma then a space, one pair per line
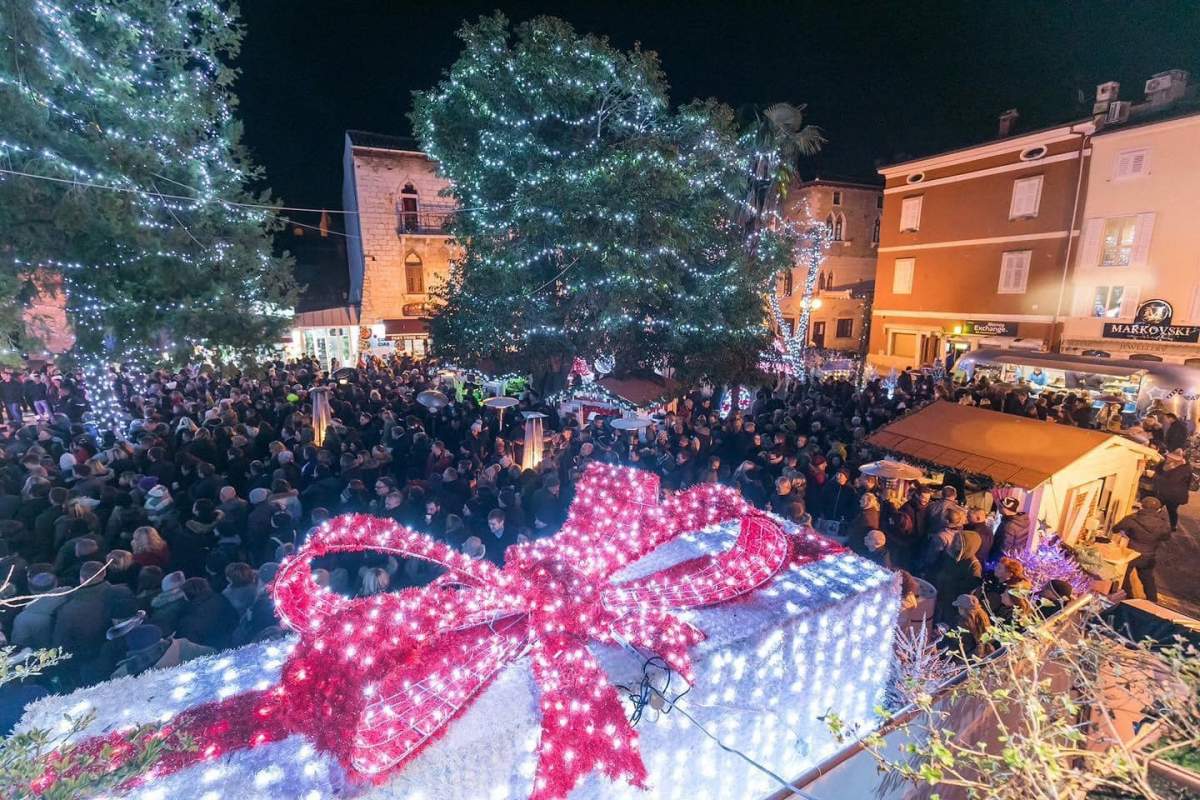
1178, 569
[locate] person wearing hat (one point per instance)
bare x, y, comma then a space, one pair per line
1012, 535
34, 624
1147, 528
148, 648
875, 543
168, 606
1172, 483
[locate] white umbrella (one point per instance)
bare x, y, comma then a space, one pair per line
893, 470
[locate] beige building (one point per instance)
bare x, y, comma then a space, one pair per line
1136, 278
397, 246
851, 214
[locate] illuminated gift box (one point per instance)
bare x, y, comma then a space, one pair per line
814, 638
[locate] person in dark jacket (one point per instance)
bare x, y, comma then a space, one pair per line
1175, 433
867, 520
977, 523
877, 549
1013, 533
167, 607
209, 618
955, 572
838, 500
900, 529
1172, 484
1147, 529
82, 622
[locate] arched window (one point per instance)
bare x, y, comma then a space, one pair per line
410, 212
1145, 357
875, 232
829, 225
821, 282
787, 283
839, 228
414, 274
829, 280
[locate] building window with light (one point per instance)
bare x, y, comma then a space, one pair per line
414, 274
410, 212
1107, 301
836, 223
1117, 246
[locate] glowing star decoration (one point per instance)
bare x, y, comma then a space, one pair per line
374, 681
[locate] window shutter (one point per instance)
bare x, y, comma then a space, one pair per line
1026, 196
1129, 302
1014, 272
1123, 165
910, 213
1083, 301
902, 278
1089, 249
1194, 313
1141, 240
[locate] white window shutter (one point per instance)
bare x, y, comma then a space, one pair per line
1082, 307
1141, 240
1129, 302
902, 278
1124, 160
1089, 248
1026, 196
910, 213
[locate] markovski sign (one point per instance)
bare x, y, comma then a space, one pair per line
1153, 323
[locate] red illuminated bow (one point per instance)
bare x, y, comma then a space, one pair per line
376, 680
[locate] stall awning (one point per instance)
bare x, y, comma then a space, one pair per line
1009, 449
401, 327
333, 317
641, 392
1119, 369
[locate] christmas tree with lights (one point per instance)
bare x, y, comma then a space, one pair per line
595, 218
125, 182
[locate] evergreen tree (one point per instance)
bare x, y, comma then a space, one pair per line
125, 180
595, 219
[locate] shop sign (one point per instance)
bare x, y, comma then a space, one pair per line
989, 328
1153, 323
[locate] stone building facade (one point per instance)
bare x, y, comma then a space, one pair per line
851, 214
398, 247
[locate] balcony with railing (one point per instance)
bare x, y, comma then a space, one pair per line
425, 220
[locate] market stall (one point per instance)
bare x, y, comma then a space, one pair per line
1137, 384
617, 397
1073, 481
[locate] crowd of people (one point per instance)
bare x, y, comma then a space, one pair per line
151, 547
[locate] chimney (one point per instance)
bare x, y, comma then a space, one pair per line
1008, 121
1106, 95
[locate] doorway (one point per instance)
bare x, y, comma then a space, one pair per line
818, 334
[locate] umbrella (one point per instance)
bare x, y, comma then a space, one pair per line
500, 403
433, 399
893, 470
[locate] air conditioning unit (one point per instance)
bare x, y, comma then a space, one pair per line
1107, 92
1118, 112
1166, 86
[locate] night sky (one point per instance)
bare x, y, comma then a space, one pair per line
885, 80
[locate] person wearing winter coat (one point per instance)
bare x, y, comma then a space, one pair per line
33, 627
1147, 528
168, 605
838, 500
209, 618
1172, 484
83, 620
866, 521
1013, 533
191, 545
877, 549
955, 572
147, 648
901, 531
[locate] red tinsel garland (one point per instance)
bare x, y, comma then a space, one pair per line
374, 681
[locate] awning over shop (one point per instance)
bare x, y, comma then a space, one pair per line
1009, 449
334, 317
1097, 366
406, 327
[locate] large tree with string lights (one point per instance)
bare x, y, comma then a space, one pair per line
125, 183
597, 220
